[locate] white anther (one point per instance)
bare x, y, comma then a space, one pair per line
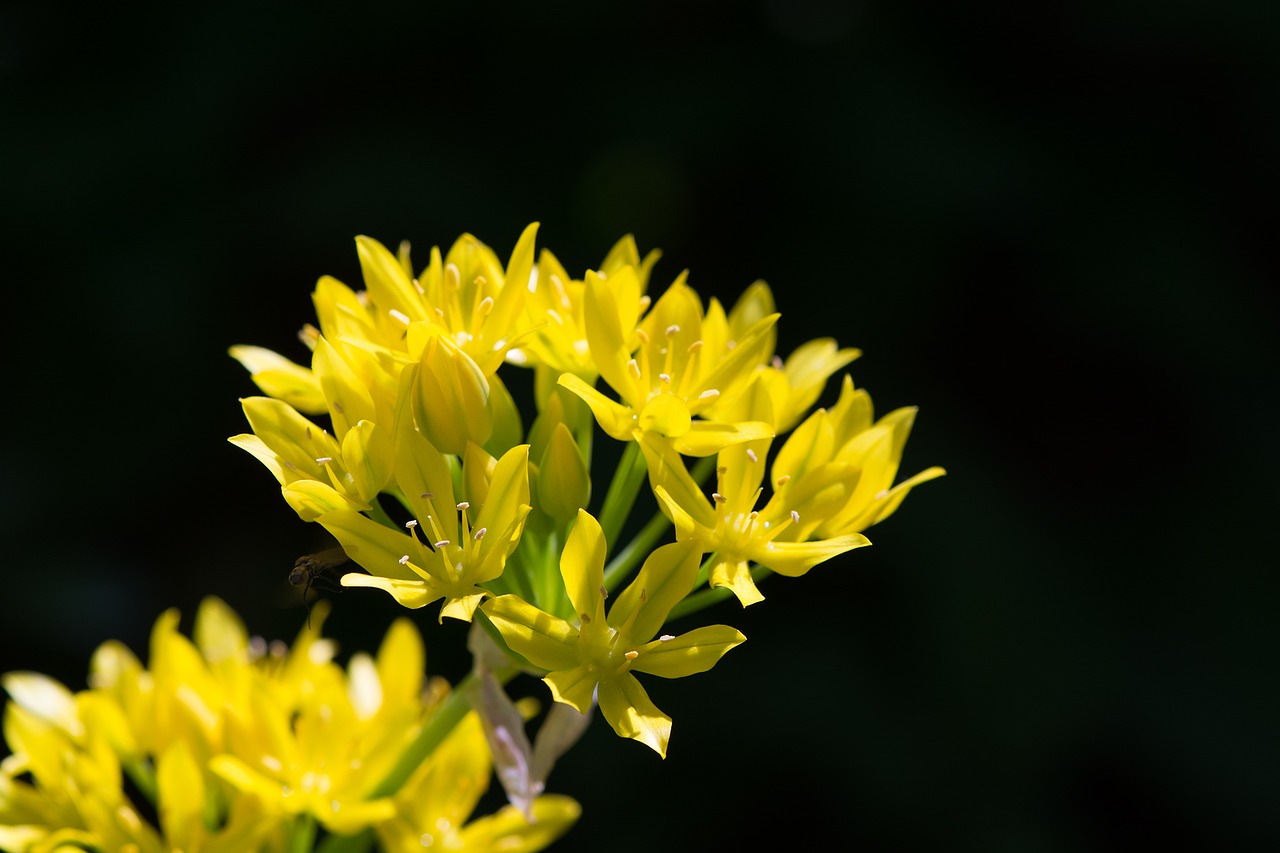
399, 316
323, 460
404, 559
751, 454
708, 394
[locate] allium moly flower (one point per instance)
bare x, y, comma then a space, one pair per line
433, 806
671, 368
234, 741
594, 655
443, 554
832, 479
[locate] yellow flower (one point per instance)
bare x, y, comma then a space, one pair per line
676, 374
832, 479
556, 309
328, 473
444, 555
594, 656
849, 435
434, 804
233, 740
729, 523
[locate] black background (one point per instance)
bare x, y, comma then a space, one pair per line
1050, 229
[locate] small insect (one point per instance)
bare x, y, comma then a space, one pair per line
317, 571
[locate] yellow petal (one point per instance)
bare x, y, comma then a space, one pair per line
795, 558
544, 640
582, 567
575, 687
281, 378
689, 653
614, 418
707, 437
509, 832
736, 576
412, 594
666, 577
627, 708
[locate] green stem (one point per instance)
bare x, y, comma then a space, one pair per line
636, 550
622, 491
303, 834
708, 597
640, 546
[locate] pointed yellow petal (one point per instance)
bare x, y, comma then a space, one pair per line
688, 654
377, 548
628, 709
736, 576
510, 832
614, 418
412, 594
281, 378
666, 577
574, 687
544, 640
582, 567
707, 437
795, 558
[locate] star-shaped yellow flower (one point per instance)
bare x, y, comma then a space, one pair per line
675, 374
444, 554
594, 655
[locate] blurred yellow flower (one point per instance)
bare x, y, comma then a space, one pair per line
236, 743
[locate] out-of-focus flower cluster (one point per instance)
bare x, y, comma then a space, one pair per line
227, 744
488, 514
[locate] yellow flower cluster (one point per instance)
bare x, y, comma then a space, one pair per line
227, 744
491, 519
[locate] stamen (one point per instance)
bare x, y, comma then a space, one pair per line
337, 407
777, 363
783, 480
730, 344
709, 394
795, 517
643, 336
751, 454
673, 330
665, 378
417, 285
485, 307
462, 505
586, 620
635, 368
443, 543
695, 346
451, 275
399, 316
555, 315
718, 498
632, 655
308, 432
479, 534
404, 559
604, 593
323, 460
666, 638
411, 523
426, 495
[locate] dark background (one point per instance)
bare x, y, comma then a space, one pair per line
1050, 229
